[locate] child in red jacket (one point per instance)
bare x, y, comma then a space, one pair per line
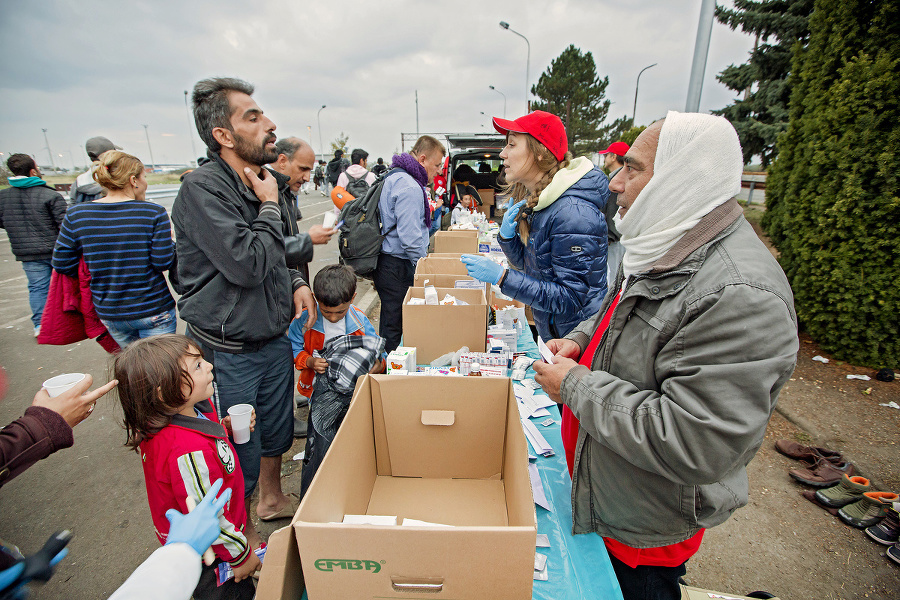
164, 388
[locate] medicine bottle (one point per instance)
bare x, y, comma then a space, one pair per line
475, 371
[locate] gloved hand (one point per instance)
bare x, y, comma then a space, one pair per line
482, 268
200, 527
508, 227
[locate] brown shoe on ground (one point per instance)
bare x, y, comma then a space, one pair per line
823, 474
797, 451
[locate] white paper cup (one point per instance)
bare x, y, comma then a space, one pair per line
240, 422
59, 384
329, 220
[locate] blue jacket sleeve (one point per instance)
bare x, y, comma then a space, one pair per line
295, 334
514, 250
66, 252
577, 239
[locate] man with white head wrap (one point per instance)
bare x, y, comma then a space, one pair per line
679, 371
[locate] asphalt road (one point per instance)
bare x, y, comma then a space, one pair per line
96, 488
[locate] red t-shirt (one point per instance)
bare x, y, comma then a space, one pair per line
663, 556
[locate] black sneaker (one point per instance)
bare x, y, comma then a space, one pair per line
886, 531
893, 553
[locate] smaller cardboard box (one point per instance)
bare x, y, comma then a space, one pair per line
487, 199
445, 450
437, 330
441, 265
449, 281
463, 241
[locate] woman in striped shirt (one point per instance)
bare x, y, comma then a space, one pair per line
127, 245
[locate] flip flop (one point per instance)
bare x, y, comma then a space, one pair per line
287, 511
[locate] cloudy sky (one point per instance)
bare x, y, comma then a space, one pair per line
80, 68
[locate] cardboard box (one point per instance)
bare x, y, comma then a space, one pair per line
437, 330
503, 302
441, 265
446, 450
487, 199
464, 241
446, 281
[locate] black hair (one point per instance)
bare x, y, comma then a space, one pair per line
211, 106
21, 164
334, 285
380, 161
358, 155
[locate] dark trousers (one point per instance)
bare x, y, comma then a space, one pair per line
648, 583
393, 277
208, 588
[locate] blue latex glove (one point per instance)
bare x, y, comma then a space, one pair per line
482, 268
508, 227
200, 527
12, 588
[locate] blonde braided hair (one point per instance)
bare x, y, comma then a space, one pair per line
548, 165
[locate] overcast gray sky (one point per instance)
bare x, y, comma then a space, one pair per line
86, 67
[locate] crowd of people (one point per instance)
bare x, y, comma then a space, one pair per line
672, 327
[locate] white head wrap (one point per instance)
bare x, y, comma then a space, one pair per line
698, 167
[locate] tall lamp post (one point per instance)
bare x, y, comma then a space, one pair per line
634, 110
190, 131
504, 99
49, 151
701, 52
152, 162
319, 120
505, 25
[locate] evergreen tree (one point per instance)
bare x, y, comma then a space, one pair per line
571, 89
833, 199
762, 114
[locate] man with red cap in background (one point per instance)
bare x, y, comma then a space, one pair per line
613, 161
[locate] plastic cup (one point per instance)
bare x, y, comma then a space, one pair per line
329, 220
59, 384
240, 422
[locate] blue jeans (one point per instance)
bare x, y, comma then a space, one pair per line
38, 273
125, 332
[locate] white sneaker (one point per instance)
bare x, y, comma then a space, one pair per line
37, 330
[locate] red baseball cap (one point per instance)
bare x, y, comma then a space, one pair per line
546, 128
617, 148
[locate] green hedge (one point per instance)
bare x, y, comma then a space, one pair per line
832, 199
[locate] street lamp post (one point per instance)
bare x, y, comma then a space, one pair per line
190, 131
149, 147
505, 25
634, 110
49, 151
504, 99
701, 52
319, 120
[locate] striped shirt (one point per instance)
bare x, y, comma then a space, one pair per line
127, 246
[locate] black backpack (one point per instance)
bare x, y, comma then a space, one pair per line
356, 187
360, 237
333, 170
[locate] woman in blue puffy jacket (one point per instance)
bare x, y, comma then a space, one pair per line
554, 236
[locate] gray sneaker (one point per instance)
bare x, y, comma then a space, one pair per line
868, 510
850, 489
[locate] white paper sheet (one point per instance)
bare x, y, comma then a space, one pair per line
545, 351
537, 487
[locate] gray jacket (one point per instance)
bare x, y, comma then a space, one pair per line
681, 387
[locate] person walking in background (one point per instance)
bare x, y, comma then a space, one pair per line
357, 179
406, 222
555, 233
32, 212
379, 167
319, 176
127, 245
333, 170
613, 161
85, 188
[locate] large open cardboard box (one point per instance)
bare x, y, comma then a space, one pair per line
446, 450
437, 330
464, 241
441, 264
445, 281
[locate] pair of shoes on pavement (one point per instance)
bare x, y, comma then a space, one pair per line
887, 532
858, 505
822, 467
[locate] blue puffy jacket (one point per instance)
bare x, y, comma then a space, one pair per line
562, 271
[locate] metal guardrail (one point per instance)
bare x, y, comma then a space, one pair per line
157, 195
